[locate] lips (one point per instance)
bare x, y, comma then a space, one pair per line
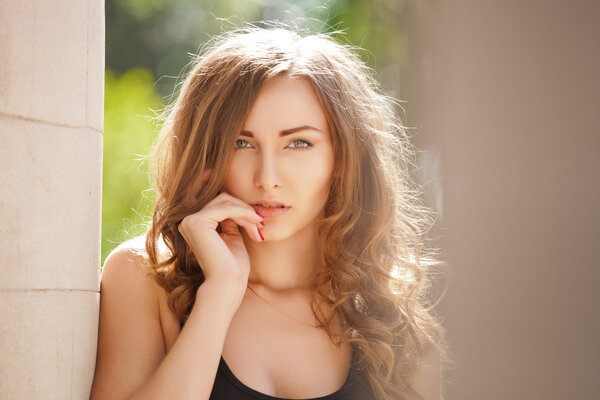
269, 203
269, 212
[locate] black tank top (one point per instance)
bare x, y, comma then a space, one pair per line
228, 386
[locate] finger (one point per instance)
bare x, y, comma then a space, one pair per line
247, 219
225, 196
254, 233
249, 226
228, 209
230, 227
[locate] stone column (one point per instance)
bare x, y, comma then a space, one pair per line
51, 108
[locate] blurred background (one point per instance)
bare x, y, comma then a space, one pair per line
501, 99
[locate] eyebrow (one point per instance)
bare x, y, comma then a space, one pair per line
286, 131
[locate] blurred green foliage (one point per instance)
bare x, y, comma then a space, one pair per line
128, 136
149, 42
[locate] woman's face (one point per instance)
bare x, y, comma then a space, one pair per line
284, 154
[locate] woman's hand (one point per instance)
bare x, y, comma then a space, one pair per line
222, 256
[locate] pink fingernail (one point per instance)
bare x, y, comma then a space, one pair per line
260, 234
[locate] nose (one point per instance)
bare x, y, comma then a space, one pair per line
267, 174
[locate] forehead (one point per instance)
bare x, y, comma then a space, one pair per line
286, 102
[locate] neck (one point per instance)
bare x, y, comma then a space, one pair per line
285, 265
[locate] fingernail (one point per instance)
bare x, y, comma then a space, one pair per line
260, 234
262, 223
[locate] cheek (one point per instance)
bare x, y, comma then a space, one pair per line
316, 174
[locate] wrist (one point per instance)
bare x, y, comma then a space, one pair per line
224, 293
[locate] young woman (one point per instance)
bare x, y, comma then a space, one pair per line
285, 256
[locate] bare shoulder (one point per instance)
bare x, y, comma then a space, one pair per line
130, 341
128, 255
126, 275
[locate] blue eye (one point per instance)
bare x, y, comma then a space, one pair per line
304, 144
308, 144
240, 140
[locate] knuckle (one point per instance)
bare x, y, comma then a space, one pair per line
188, 221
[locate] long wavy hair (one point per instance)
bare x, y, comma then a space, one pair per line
374, 227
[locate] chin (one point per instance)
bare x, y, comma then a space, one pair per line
277, 233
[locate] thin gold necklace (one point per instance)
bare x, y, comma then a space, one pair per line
287, 315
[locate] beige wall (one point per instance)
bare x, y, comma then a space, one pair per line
51, 108
508, 94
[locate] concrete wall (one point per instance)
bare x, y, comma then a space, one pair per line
507, 93
51, 108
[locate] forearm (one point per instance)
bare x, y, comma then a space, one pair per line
188, 371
